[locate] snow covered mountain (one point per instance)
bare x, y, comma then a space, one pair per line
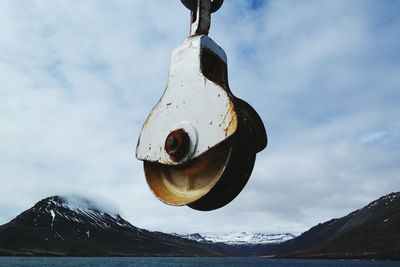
74, 226
240, 238
79, 211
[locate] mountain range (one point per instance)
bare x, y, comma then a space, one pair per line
73, 226
242, 244
240, 238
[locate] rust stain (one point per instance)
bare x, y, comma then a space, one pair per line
148, 119
231, 129
177, 144
150, 116
184, 184
232, 126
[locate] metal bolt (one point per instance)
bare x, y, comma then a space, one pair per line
177, 144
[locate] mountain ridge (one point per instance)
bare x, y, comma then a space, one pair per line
54, 226
370, 232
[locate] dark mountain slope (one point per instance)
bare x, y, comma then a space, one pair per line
65, 226
370, 232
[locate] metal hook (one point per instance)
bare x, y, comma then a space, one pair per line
201, 14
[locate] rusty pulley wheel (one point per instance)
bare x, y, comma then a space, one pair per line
192, 5
243, 148
215, 178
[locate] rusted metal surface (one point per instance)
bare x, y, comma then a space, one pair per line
177, 144
182, 185
233, 124
236, 173
213, 179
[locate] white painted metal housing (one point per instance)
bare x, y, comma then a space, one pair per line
204, 109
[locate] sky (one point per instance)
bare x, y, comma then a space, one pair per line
78, 78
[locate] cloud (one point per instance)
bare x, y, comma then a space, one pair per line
76, 202
372, 136
79, 78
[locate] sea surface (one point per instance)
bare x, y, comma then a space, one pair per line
180, 262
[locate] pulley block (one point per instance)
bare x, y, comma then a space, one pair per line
199, 142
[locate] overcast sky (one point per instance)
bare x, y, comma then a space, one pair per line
78, 78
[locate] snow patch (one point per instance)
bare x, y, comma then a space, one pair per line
76, 209
53, 215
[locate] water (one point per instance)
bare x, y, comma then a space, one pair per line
181, 262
